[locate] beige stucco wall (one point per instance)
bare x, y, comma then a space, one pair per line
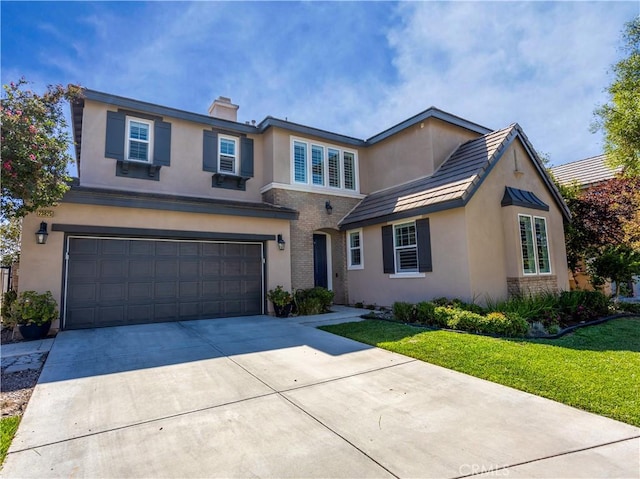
41, 266
185, 175
413, 153
493, 257
450, 276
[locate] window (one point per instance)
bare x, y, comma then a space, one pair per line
227, 155
138, 140
534, 244
405, 248
354, 250
330, 167
317, 165
349, 171
300, 161
334, 168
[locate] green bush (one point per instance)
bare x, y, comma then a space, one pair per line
8, 298
403, 311
633, 308
424, 312
313, 301
509, 324
33, 308
441, 316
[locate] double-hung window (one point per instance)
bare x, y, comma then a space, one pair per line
227, 155
534, 245
354, 250
405, 247
317, 165
334, 168
300, 162
139, 140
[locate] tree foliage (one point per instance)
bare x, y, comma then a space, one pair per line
619, 119
34, 153
10, 241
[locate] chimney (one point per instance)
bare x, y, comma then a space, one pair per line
223, 108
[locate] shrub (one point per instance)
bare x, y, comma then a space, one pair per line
509, 324
441, 316
33, 308
424, 312
629, 307
279, 296
8, 298
403, 311
313, 301
359, 305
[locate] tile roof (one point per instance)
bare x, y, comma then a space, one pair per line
449, 187
586, 172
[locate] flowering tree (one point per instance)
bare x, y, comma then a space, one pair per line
34, 153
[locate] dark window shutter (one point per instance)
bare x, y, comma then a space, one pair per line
388, 260
424, 245
162, 143
246, 159
114, 145
210, 151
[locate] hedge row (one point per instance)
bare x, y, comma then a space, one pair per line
425, 312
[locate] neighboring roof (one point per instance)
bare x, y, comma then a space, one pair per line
451, 186
268, 122
586, 172
528, 199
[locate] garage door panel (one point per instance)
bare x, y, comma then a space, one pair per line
129, 281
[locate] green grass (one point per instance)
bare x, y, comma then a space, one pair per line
8, 428
596, 368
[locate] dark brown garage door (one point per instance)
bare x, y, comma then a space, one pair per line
113, 282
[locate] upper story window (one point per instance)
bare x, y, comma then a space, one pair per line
139, 144
227, 155
534, 245
329, 166
354, 251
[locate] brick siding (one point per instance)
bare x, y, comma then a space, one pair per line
532, 285
314, 218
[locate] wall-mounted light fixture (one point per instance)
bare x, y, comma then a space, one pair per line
328, 207
281, 243
41, 234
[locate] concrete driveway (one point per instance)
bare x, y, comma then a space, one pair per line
265, 397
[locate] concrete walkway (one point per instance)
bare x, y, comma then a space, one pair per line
265, 397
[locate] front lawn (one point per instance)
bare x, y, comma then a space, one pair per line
8, 428
596, 368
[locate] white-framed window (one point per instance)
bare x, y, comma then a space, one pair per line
405, 246
227, 154
139, 144
355, 259
330, 166
317, 165
534, 244
299, 162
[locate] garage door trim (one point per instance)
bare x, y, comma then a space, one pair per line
69, 237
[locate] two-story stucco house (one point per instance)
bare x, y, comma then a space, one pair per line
177, 215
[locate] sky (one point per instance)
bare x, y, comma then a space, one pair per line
354, 68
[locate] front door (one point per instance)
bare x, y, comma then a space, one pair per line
320, 261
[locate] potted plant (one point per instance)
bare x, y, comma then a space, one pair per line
282, 301
33, 313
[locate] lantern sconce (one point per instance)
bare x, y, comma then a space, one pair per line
328, 207
281, 243
41, 234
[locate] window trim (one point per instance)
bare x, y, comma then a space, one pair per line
149, 141
236, 155
537, 271
308, 165
396, 248
350, 264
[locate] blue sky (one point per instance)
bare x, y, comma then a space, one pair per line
353, 68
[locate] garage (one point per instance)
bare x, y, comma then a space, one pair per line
121, 281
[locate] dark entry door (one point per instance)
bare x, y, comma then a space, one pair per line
320, 261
